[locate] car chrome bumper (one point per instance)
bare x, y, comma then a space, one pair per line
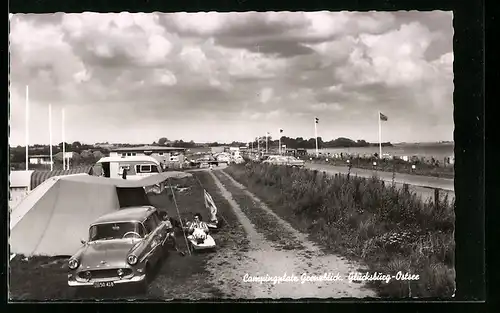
134, 279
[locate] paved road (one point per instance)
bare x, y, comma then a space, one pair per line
416, 180
422, 185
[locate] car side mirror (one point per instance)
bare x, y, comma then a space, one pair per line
83, 241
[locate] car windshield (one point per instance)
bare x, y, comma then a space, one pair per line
110, 231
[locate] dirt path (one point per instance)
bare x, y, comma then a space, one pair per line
270, 260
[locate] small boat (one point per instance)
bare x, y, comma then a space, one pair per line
213, 226
202, 244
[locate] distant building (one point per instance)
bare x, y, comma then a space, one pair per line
235, 151
218, 149
20, 186
166, 155
69, 155
39, 159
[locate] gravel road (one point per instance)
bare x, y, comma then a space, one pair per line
267, 259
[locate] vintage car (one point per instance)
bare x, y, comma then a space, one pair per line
122, 248
284, 160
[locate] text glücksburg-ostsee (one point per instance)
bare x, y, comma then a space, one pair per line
306, 278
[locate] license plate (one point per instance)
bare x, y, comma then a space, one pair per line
105, 284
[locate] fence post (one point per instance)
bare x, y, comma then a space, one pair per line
405, 188
436, 198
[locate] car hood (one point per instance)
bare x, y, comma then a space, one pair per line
106, 253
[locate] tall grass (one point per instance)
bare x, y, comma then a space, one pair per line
388, 229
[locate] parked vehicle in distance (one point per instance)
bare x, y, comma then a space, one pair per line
284, 160
137, 167
271, 159
238, 159
122, 248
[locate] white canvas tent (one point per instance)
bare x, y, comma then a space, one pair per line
53, 218
19, 187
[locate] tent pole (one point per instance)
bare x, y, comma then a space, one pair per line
179, 215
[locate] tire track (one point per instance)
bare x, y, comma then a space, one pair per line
265, 257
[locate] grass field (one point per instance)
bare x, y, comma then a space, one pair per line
397, 166
384, 227
179, 277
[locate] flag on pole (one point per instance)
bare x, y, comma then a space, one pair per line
383, 117
210, 204
316, 120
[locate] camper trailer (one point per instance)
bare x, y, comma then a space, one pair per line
137, 167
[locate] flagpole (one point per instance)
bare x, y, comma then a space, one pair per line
27, 125
280, 144
50, 138
267, 136
258, 145
379, 136
63, 143
316, 136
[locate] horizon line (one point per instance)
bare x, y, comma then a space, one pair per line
225, 143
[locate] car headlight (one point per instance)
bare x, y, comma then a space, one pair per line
73, 264
88, 275
132, 259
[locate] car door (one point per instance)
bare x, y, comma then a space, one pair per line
152, 239
162, 229
160, 233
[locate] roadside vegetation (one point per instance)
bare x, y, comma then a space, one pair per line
384, 227
396, 165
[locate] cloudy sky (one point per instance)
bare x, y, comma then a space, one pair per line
232, 76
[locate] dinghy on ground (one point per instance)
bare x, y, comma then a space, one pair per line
199, 238
201, 244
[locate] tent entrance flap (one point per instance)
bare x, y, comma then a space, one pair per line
128, 197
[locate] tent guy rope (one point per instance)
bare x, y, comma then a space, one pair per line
179, 215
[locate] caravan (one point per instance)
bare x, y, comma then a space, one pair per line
137, 167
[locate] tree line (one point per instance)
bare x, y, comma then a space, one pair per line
293, 143
90, 153
301, 143
83, 154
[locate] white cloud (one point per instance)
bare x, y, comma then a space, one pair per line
266, 95
167, 78
159, 49
82, 76
395, 58
307, 63
326, 107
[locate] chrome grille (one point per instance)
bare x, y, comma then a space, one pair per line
104, 273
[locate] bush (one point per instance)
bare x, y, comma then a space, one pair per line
389, 229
